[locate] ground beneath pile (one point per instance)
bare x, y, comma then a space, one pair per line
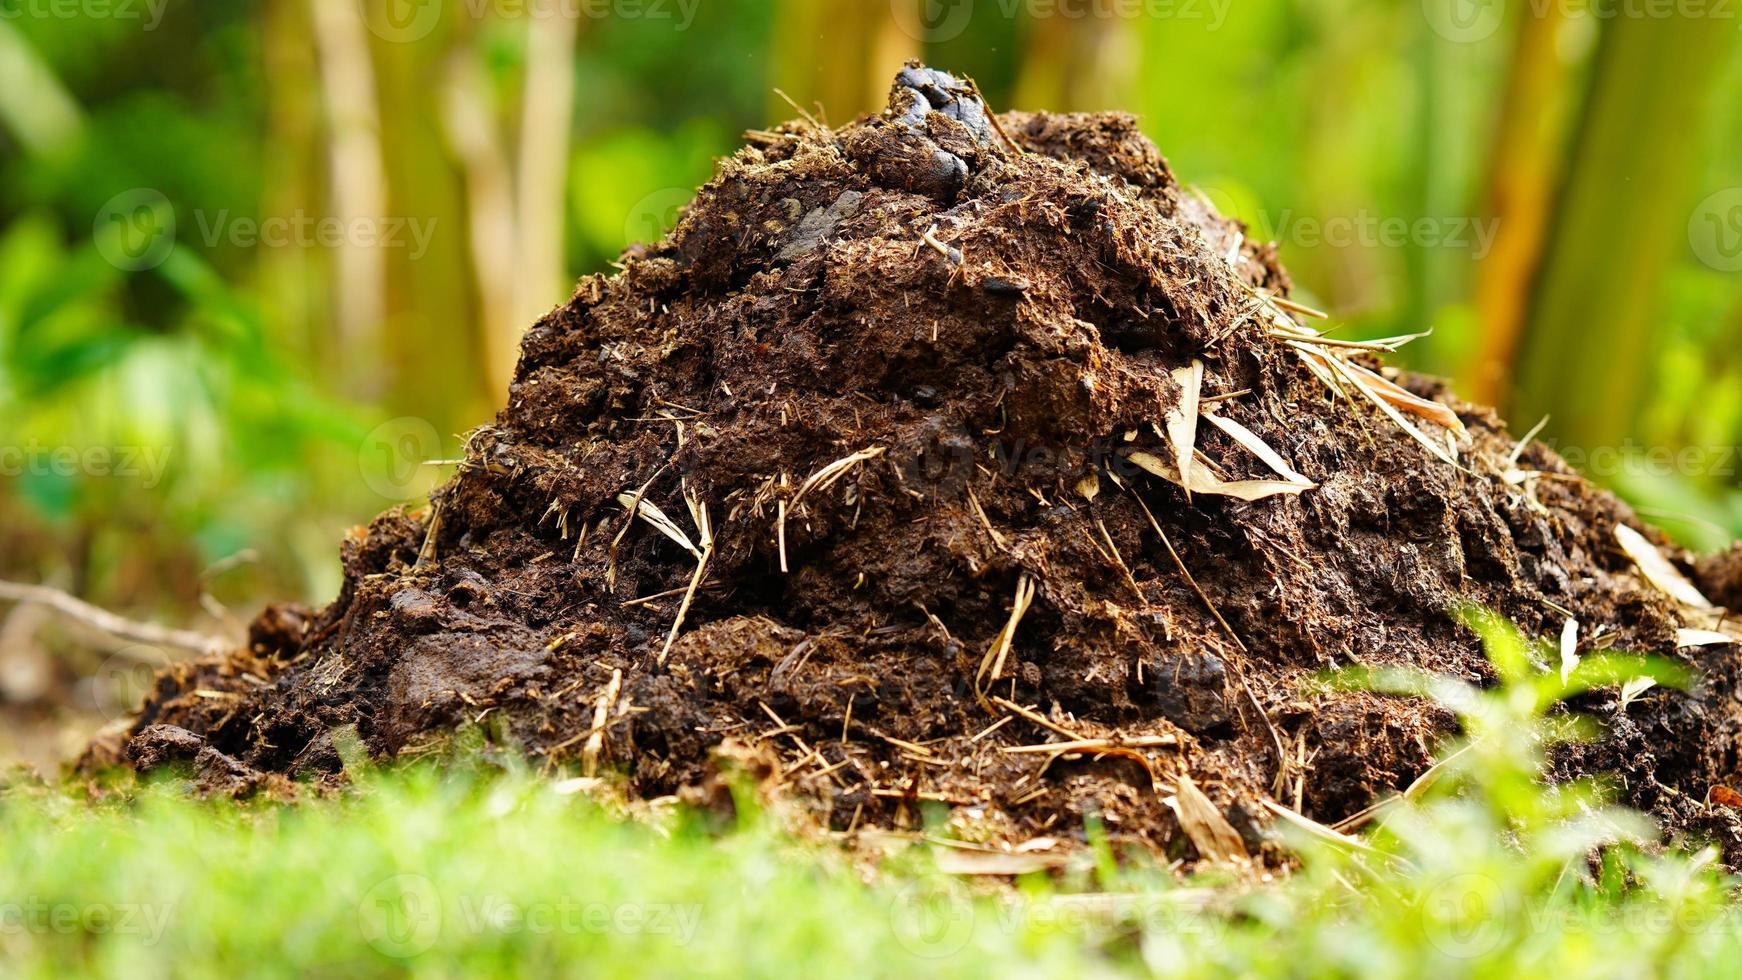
869, 477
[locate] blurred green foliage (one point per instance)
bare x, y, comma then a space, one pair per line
1326, 126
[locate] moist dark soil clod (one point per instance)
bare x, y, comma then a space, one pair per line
877, 426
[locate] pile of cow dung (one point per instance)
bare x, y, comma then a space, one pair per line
965, 461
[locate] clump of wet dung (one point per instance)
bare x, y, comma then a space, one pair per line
871, 472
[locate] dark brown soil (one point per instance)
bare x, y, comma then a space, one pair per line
1720, 577
985, 390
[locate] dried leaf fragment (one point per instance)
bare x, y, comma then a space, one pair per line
1569, 649
1724, 796
1182, 420
1206, 482
1258, 447
1631, 690
648, 511
1658, 570
1209, 831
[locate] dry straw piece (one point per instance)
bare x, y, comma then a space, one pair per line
992, 665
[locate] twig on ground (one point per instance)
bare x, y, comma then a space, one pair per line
951, 254
104, 621
427, 552
800, 110
992, 117
1036, 717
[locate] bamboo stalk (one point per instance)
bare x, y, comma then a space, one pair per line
1527, 162
1618, 228
541, 280
359, 183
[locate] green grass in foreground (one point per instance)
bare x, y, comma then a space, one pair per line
469, 872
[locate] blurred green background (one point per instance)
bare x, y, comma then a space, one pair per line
263, 262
